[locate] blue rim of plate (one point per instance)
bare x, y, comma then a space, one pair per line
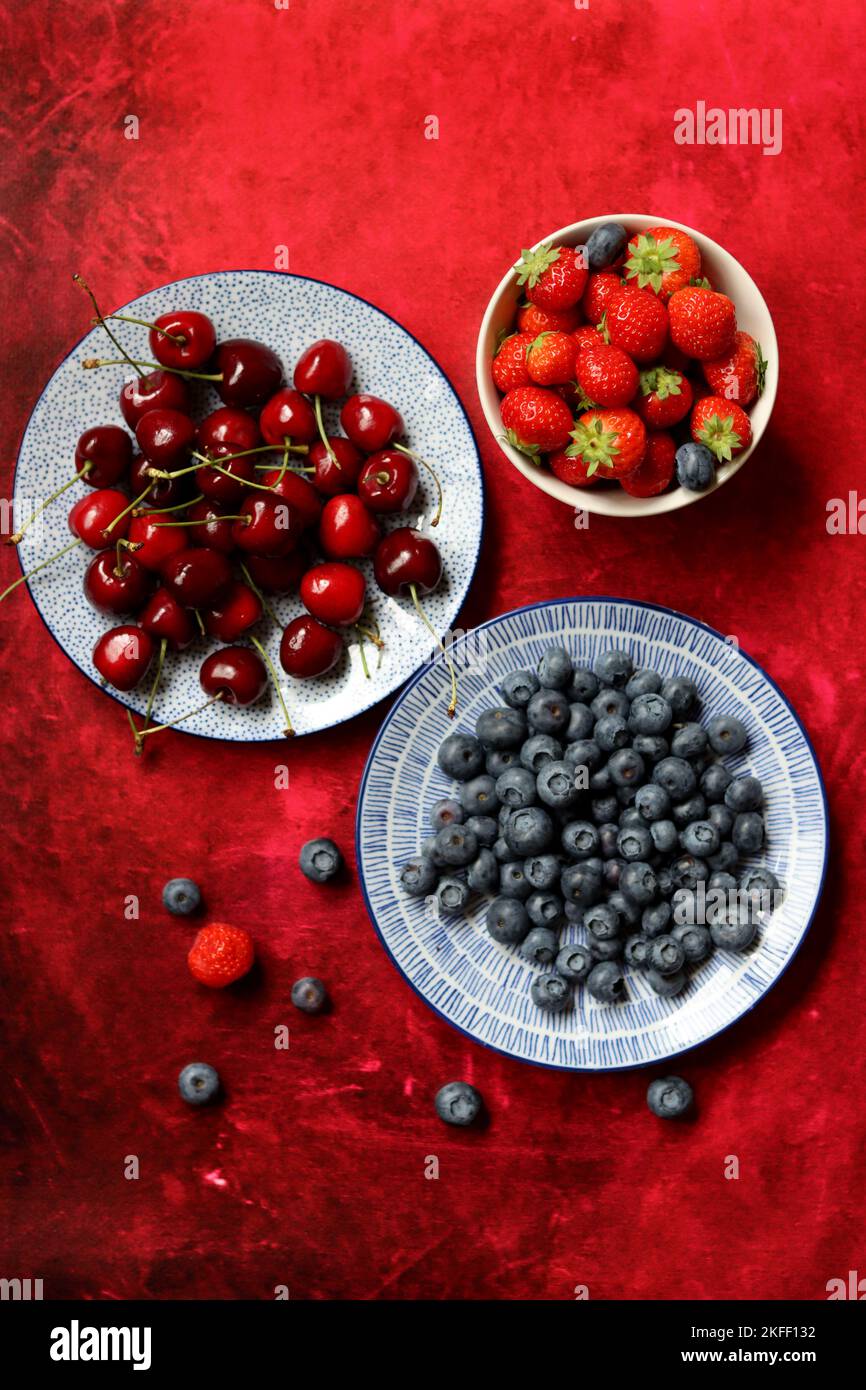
283, 275
626, 1066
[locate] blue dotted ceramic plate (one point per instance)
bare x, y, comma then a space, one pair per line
482, 988
288, 312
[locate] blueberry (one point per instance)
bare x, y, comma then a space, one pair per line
529, 831
551, 992
452, 895
655, 919
518, 688
548, 712
663, 875
581, 885
419, 876
516, 788
555, 668
538, 750
604, 809
652, 802
721, 881
483, 873
625, 796
198, 1083
610, 701
501, 728
428, 849
694, 808
309, 995
601, 782
556, 785
727, 734
458, 1103
583, 685
735, 933
669, 1097
610, 949
611, 732
630, 815
542, 871
607, 837
507, 920
714, 783
460, 756
626, 768
634, 842
700, 838
627, 910
606, 983
580, 722
726, 858
502, 851
545, 909
688, 871
574, 962
643, 683
748, 832
513, 882
759, 881
696, 466
689, 741
614, 668
635, 951
649, 715
540, 946
612, 870
666, 955
684, 903
665, 985
485, 829
182, 897
499, 761
446, 811
677, 778
604, 244
681, 694
478, 796
722, 819
580, 839
585, 753
695, 941
320, 860
602, 921
639, 883
456, 846
744, 794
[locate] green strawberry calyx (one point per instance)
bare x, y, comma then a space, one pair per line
530, 450
761, 365
700, 282
594, 444
602, 328
720, 436
661, 380
533, 264
651, 260
536, 342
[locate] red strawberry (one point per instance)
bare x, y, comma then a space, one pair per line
536, 421
554, 276
722, 425
532, 320
587, 337
575, 472
550, 359
637, 322
509, 364
664, 258
738, 375
611, 442
703, 322
599, 291
606, 375
665, 398
221, 954
656, 470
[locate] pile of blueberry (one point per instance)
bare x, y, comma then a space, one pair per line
595, 798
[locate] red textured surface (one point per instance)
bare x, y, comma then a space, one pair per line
304, 127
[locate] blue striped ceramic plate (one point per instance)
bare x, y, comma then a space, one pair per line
482, 988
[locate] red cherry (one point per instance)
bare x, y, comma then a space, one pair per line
228, 426
309, 649
236, 674
347, 531
332, 478
235, 611
165, 619
122, 655
116, 585
406, 559
251, 372
197, 576
95, 512
219, 488
157, 538
297, 492
334, 593
276, 574
268, 526
324, 369
162, 492
155, 391
107, 450
372, 424
196, 331
165, 437
388, 482
287, 415
213, 529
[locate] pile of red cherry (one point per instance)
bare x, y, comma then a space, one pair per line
208, 526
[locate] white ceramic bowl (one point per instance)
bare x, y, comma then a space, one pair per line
753, 317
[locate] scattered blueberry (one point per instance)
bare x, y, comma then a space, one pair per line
669, 1097
309, 995
458, 1103
182, 897
320, 860
198, 1083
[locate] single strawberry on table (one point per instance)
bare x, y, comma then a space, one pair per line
654, 473
606, 375
703, 322
636, 321
663, 258
550, 359
533, 320
536, 420
610, 442
554, 276
509, 363
664, 399
739, 374
722, 425
221, 954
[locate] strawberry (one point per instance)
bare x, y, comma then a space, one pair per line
600, 289
655, 471
509, 364
550, 359
587, 337
665, 398
554, 276
636, 321
571, 470
531, 319
221, 954
664, 258
610, 441
703, 322
536, 421
606, 375
739, 375
571, 394
722, 425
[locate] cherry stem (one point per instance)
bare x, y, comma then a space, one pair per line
259, 595
202, 523
155, 686
19, 534
158, 728
370, 635
101, 321
259, 449
364, 665
178, 339
201, 627
91, 362
410, 453
441, 645
298, 468
288, 730
163, 511
324, 438
131, 508
56, 556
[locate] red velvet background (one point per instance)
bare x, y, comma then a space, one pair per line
305, 127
